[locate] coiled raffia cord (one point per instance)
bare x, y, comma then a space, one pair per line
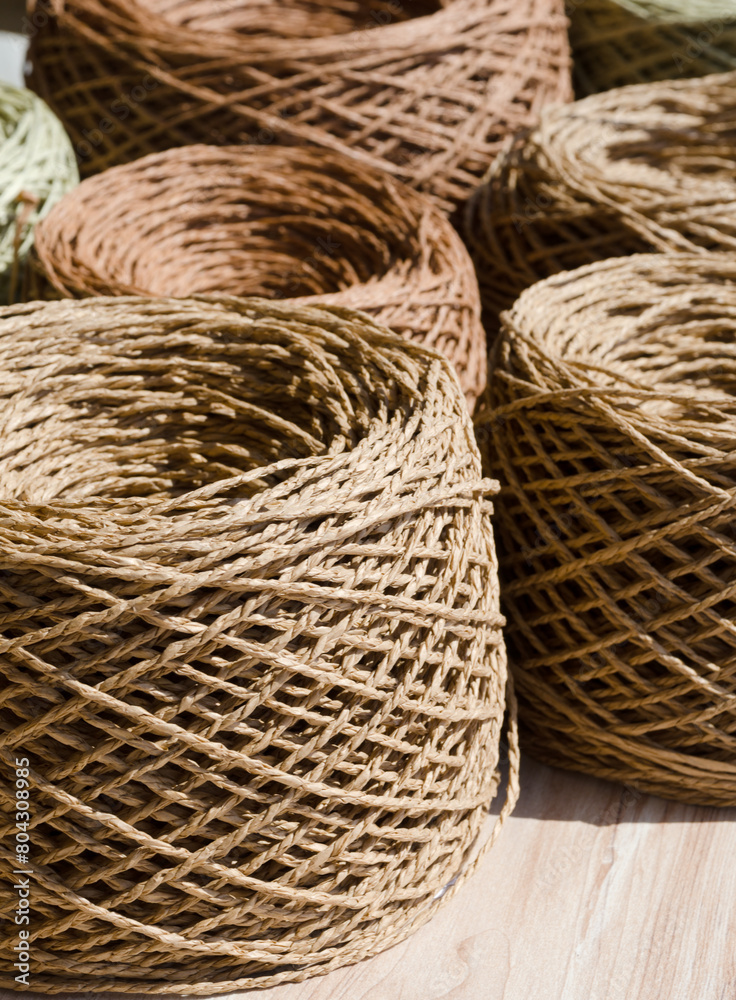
274, 221
643, 168
617, 42
425, 90
37, 167
610, 422
251, 639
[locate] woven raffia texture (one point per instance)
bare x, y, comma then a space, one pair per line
617, 42
422, 89
611, 423
273, 221
647, 167
37, 166
251, 638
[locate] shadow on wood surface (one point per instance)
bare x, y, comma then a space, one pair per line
551, 794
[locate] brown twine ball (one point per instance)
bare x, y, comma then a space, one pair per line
276, 221
617, 42
251, 640
611, 423
425, 89
638, 169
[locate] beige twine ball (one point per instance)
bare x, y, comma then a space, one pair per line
251, 640
643, 168
610, 422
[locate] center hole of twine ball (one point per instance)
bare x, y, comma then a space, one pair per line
657, 146
290, 18
245, 233
689, 368
160, 423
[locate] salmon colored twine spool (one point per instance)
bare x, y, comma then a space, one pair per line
272, 221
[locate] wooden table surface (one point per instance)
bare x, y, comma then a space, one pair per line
592, 892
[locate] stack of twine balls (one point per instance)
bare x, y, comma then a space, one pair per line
37, 167
250, 611
425, 89
251, 638
610, 422
618, 42
271, 221
643, 168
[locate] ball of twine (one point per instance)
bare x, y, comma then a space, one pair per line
251, 638
617, 42
647, 167
611, 423
276, 221
37, 166
425, 89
